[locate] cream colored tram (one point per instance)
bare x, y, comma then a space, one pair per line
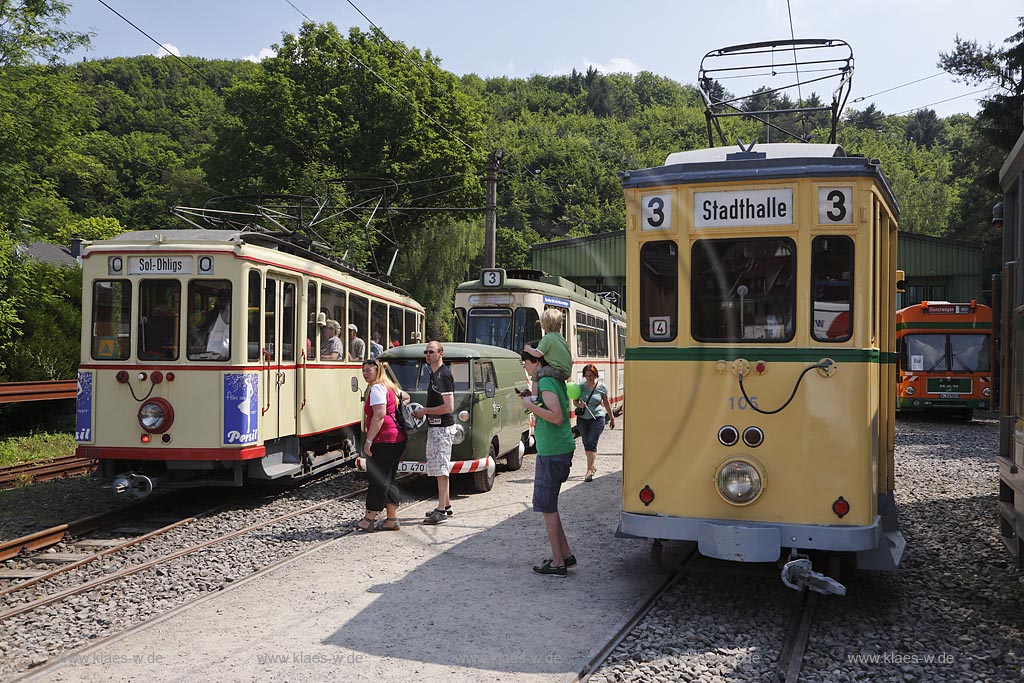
206, 358
504, 308
760, 351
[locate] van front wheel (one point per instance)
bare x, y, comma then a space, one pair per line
483, 481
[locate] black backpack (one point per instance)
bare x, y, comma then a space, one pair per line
404, 418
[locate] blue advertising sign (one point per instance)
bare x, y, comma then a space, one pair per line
241, 408
83, 408
555, 301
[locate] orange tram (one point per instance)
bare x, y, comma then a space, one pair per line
945, 359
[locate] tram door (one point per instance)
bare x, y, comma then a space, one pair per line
282, 345
616, 353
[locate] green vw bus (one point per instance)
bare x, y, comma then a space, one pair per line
490, 421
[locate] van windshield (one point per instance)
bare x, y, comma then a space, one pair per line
414, 375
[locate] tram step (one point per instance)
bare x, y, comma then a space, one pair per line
20, 573
97, 543
55, 558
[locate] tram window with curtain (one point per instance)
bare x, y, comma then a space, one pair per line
659, 291
743, 290
253, 317
111, 319
832, 288
159, 310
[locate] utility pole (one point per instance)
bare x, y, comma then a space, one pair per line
491, 218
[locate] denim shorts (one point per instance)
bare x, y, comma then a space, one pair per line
551, 471
590, 432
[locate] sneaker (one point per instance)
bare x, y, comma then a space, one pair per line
447, 511
436, 517
570, 561
547, 570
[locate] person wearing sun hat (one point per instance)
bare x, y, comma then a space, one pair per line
555, 446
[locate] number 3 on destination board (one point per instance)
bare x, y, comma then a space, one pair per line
657, 212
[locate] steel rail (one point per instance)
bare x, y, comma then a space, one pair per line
16, 392
45, 470
792, 655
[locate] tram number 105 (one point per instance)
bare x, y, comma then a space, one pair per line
740, 403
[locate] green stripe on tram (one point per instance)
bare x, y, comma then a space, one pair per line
765, 353
944, 326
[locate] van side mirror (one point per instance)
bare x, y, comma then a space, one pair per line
489, 390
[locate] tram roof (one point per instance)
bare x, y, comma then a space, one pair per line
551, 285
773, 161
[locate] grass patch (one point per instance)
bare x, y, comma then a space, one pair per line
15, 450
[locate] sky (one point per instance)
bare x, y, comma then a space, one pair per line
894, 42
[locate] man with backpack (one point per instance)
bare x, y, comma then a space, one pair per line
440, 428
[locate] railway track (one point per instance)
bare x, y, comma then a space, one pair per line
790, 656
88, 550
56, 468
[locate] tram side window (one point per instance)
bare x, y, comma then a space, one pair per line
395, 335
621, 332
832, 288
270, 317
159, 312
312, 343
378, 327
333, 307
111, 319
288, 328
659, 291
358, 315
252, 321
412, 328
743, 289
526, 327
209, 318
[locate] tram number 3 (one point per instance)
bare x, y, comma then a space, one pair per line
740, 403
835, 205
657, 212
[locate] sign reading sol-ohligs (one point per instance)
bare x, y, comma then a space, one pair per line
737, 208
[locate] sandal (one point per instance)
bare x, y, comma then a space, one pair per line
590, 474
388, 524
365, 524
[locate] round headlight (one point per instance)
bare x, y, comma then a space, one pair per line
460, 434
910, 391
753, 437
987, 391
156, 415
739, 482
728, 436
464, 415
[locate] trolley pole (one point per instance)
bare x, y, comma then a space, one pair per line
491, 218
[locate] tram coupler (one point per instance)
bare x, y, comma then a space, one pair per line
798, 575
137, 485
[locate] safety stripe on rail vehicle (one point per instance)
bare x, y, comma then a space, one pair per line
941, 326
793, 355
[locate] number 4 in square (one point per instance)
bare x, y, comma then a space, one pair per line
660, 327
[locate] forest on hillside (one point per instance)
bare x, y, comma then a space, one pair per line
99, 147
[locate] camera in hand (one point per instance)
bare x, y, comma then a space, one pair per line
580, 411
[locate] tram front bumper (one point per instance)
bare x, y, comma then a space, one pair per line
750, 541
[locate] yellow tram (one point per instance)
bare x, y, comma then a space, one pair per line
208, 358
761, 290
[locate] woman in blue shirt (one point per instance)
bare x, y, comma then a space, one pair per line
592, 412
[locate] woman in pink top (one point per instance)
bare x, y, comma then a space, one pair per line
383, 448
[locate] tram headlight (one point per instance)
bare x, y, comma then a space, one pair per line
156, 415
739, 482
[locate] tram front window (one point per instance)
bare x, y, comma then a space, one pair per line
743, 289
490, 326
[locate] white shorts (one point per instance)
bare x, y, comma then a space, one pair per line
439, 450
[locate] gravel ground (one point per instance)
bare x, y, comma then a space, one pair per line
955, 612
46, 504
31, 639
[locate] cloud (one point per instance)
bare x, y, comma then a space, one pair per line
263, 54
167, 48
616, 65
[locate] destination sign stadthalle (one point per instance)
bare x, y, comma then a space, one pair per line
730, 209
159, 265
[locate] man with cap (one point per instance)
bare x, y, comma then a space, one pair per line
332, 348
356, 346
